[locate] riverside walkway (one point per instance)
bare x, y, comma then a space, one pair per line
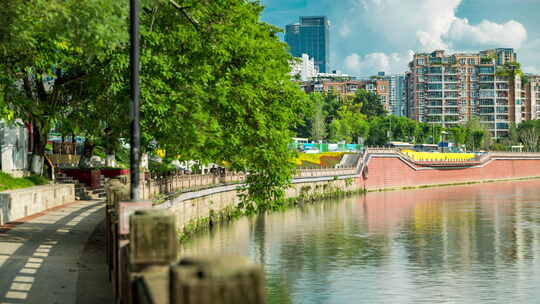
55, 257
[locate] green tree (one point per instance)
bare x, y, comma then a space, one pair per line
349, 124
318, 124
206, 95
371, 104
332, 103
378, 132
458, 134
478, 136
47, 50
529, 134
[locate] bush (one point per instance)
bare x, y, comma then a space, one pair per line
8, 182
37, 180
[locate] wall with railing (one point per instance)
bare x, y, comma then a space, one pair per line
198, 200
386, 168
154, 185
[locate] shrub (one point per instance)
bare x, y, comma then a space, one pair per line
8, 182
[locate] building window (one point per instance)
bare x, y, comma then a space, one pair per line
462, 61
486, 70
420, 61
471, 61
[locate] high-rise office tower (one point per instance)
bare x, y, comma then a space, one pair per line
310, 36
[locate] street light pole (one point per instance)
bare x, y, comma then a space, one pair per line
135, 92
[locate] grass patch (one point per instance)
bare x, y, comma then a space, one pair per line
8, 182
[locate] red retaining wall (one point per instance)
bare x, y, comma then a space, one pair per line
112, 173
90, 177
388, 172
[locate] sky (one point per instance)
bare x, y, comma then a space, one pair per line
368, 36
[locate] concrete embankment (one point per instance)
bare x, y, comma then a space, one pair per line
377, 170
391, 170
198, 207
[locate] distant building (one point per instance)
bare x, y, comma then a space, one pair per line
310, 36
13, 148
397, 98
304, 68
531, 97
450, 90
347, 86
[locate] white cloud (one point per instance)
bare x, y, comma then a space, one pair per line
531, 69
417, 24
421, 25
432, 24
344, 30
372, 63
529, 56
487, 33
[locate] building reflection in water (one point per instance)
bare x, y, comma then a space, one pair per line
466, 244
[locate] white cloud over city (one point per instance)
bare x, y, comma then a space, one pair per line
420, 25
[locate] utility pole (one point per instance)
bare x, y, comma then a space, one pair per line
135, 142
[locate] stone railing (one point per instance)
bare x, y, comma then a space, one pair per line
159, 185
496, 154
154, 186
142, 253
303, 173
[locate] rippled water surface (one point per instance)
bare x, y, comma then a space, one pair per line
463, 244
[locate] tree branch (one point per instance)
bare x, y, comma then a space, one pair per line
182, 9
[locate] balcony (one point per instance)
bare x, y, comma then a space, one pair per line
486, 70
451, 79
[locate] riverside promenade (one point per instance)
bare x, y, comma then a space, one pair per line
55, 256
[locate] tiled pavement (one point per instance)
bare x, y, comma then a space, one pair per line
57, 257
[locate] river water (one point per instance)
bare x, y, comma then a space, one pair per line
461, 244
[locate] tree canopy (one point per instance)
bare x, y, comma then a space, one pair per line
214, 87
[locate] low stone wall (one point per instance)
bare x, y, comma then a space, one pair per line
19, 203
192, 207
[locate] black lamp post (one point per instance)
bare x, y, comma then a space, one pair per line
135, 142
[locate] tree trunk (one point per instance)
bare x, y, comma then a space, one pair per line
87, 154
39, 134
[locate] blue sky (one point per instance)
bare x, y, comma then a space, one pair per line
368, 36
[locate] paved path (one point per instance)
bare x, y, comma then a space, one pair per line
57, 257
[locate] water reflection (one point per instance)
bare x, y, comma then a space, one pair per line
464, 244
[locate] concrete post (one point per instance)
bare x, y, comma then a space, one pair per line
216, 280
153, 247
153, 237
